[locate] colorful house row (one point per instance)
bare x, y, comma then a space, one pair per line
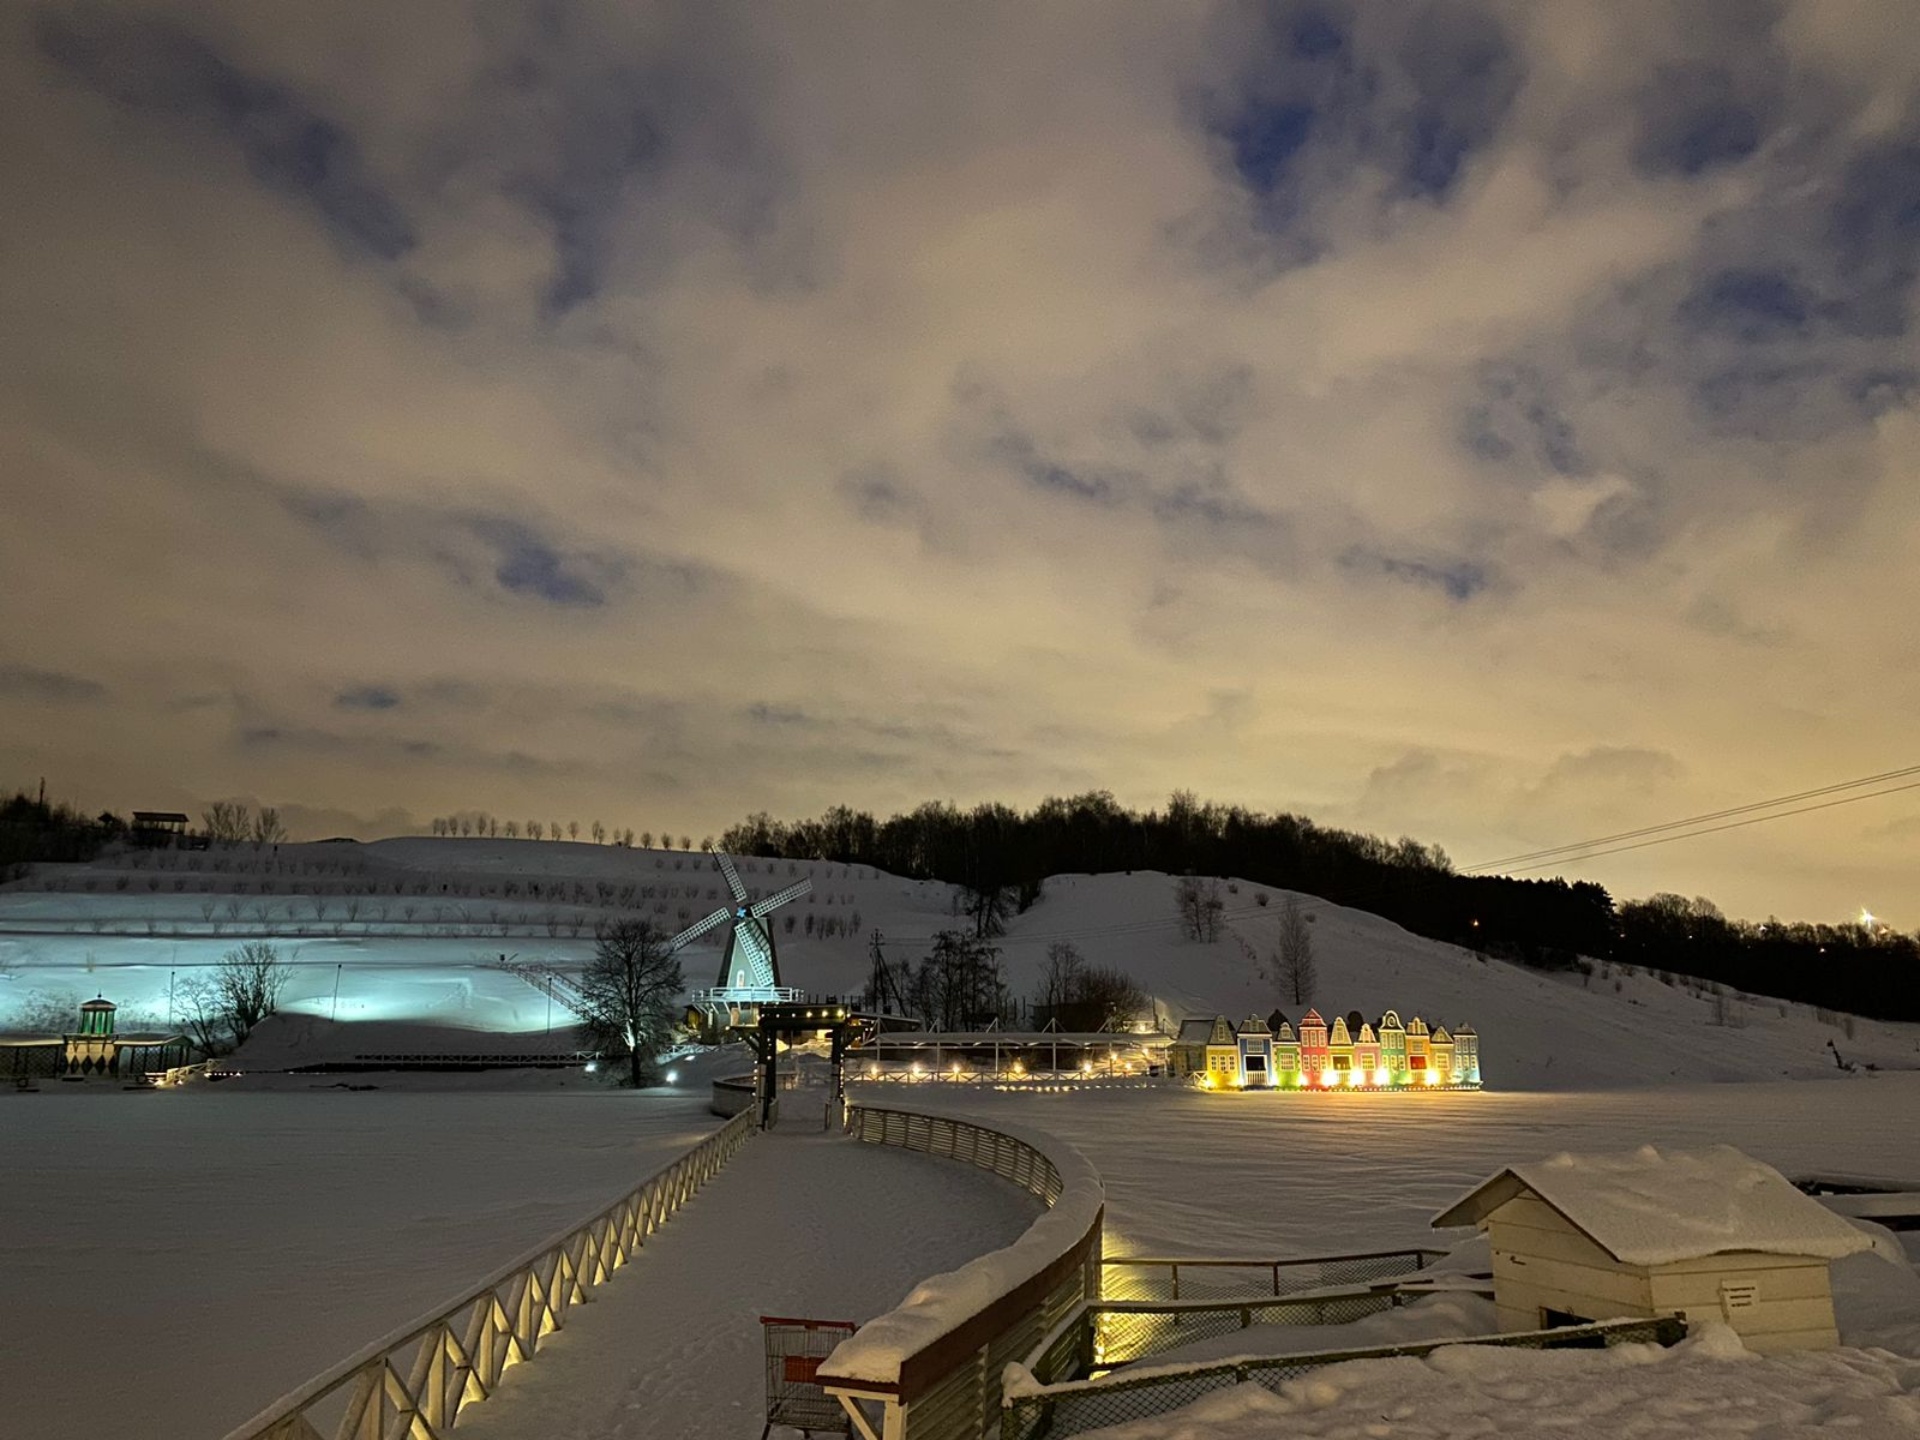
1351, 1053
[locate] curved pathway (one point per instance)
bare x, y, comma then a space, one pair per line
797, 1224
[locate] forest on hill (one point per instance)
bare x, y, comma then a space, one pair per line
1001, 856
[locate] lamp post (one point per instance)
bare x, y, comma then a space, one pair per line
335, 1015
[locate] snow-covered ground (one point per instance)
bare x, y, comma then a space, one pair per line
409, 931
188, 1256
1264, 1175
1708, 1386
1200, 1172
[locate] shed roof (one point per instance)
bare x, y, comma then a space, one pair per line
1652, 1208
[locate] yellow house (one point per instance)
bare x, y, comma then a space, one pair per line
1707, 1235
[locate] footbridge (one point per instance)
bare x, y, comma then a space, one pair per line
643, 1320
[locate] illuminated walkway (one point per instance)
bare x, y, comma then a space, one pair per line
797, 1224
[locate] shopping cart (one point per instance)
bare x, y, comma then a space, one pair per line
795, 1349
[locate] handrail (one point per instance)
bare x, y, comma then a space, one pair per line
934, 1363
1333, 1269
426, 1371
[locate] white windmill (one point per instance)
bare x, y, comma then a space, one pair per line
749, 967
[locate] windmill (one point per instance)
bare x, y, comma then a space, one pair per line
749, 967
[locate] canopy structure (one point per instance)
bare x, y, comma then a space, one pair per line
1011, 1052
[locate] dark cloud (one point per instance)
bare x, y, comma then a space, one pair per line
57, 687
1458, 580
156, 67
368, 697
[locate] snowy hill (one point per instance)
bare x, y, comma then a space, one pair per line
409, 932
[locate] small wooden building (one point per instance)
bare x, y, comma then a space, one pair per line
1707, 1235
1255, 1042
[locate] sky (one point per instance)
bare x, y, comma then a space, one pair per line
1494, 423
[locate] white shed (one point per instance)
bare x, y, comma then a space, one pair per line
1713, 1234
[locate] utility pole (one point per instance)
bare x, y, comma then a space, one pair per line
335, 1016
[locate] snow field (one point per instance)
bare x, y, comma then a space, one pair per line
1192, 1173
189, 1256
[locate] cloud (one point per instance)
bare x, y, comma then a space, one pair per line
367, 697
1426, 416
152, 66
56, 687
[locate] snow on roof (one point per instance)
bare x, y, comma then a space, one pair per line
1652, 1208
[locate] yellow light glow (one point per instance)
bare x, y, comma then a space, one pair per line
1433, 1077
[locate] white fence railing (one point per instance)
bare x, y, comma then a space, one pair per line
931, 1369
414, 1383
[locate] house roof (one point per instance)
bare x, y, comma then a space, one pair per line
1653, 1208
1195, 1029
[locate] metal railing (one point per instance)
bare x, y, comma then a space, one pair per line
1147, 1277
1037, 1408
414, 1382
924, 1372
1127, 1330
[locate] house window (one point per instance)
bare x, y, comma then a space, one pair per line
1416, 1062
1343, 1062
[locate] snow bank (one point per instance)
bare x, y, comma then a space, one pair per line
938, 1306
1707, 1382
1649, 1208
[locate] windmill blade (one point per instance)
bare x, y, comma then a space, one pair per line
748, 937
699, 927
760, 910
733, 877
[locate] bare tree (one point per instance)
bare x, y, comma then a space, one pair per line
1110, 999
267, 829
646, 839
628, 991
1293, 960
1060, 985
598, 831
227, 822
249, 981
199, 1010
686, 842
573, 829
1200, 907
513, 830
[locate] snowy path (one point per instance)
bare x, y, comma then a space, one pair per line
188, 1257
798, 1224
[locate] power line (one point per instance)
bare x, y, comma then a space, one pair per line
1715, 829
1514, 861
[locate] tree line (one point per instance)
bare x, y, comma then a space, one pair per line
480, 825
1000, 856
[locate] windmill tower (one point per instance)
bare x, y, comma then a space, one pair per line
750, 965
